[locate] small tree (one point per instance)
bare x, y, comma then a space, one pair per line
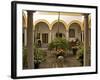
58, 43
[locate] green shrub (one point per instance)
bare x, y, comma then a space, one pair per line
80, 53
58, 43
39, 55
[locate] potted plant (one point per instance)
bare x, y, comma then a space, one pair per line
39, 56
80, 54
60, 44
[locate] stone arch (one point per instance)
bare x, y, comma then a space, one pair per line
44, 21
42, 31
41, 23
76, 21
65, 24
62, 29
75, 31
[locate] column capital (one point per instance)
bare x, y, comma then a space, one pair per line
85, 14
31, 11
82, 30
67, 30
24, 27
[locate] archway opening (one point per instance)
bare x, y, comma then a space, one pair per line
75, 32
42, 34
58, 29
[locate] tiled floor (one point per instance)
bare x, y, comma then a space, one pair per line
52, 61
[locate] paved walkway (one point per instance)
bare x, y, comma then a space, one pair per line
51, 61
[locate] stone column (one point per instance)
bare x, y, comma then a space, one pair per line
82, 36
89, 37
41, 36
30, 51
25, 36
50, 36
33, 36
67, 34
86, 40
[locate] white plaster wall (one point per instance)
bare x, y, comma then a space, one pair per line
52, 16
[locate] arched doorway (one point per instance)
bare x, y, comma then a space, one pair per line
75, 32
42, 34
58, 29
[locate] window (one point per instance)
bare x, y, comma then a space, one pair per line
38, 35
45, 38
58, 34
72, 33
